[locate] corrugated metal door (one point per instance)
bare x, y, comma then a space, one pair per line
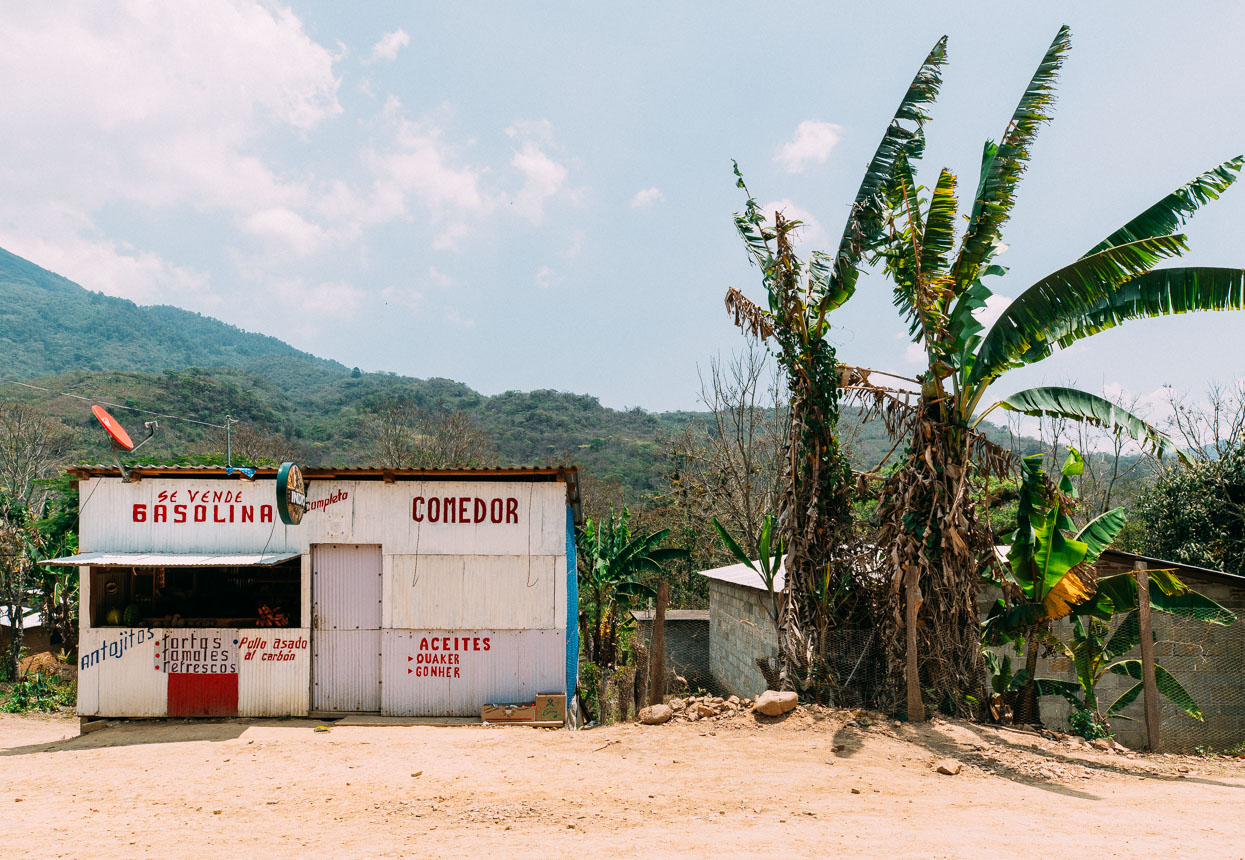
345, 637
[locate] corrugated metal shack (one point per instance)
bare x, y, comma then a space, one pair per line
402, 592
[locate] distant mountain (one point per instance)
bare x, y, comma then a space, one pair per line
49, 324
175, 362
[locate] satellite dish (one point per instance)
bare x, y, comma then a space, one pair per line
115, 430
121, 440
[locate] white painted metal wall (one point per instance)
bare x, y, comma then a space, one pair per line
345, 629
502, 579
367, 512
517, 665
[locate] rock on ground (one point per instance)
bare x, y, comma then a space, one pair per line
772, 703
655, 715
949, 767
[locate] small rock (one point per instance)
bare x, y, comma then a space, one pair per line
948, 766
706, 710
1101, 743
734, 700
855, 791
772, 703
678, 704
1119, 747
655, 715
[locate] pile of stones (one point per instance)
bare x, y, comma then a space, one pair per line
695, 708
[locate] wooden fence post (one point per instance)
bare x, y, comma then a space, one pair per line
657, 675
916, 707
1150, 689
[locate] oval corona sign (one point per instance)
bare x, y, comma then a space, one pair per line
291, 494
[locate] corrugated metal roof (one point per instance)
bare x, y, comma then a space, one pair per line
173, 559
566, 474
741, 574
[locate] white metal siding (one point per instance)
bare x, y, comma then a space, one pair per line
518, 665
365, 512
465, 592
270, 687
345, 636
118, 675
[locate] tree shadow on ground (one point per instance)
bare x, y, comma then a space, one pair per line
937, 740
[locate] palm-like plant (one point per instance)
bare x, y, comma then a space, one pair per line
929, 514
1096, 649
612, 560
815, 503
1049, 569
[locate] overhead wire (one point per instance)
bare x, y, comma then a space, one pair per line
114, 405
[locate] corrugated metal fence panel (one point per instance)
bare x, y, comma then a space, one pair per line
346, 587
494, 592
274, 672
345, 673
118, 674
345, 637
492, 666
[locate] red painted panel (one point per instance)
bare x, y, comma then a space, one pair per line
195, 695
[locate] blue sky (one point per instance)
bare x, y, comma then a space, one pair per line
526, 196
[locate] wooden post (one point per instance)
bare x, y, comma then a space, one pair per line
1150, 690
657, 675
916, 707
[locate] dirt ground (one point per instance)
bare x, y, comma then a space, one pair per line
813, 783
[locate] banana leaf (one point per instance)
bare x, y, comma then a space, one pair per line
1003, 165
1167, 685
1083, 406
1176, 208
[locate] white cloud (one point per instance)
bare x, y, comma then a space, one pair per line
543, 178
404, 297
914, 354
288, 229
812, 144
390, 44
454, 318
647, 198
319, 303
114, 269
546, 277
989, 315
540, 130
809, 234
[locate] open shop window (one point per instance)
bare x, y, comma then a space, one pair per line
240, 596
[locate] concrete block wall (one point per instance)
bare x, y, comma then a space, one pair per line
740, 630
1207, 659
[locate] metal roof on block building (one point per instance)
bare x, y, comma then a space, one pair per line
566, 474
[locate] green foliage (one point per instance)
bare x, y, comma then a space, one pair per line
1193, 515
38, 693
1085, 723
611, 562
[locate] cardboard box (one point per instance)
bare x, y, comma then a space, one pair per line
550, 707
520, 712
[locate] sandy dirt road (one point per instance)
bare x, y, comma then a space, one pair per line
810, 785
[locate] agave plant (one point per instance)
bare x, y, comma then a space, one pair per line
815, 504
929, 514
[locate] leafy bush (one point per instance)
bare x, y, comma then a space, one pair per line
1087, 725
38, 693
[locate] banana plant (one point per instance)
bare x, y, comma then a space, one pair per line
1049, 568
815, 509
941, 278
1096, 649
767, 565
1116, 280
612, 561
